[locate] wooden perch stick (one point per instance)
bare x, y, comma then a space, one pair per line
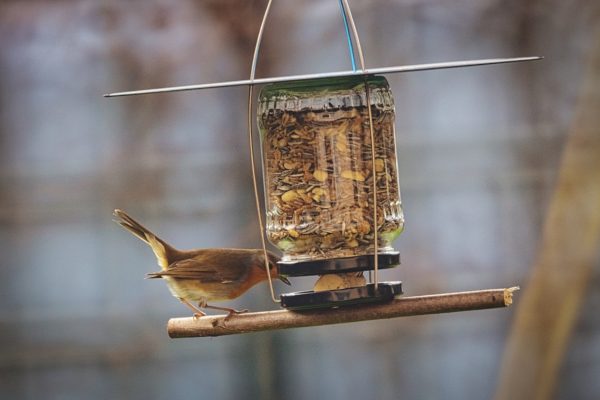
218, 325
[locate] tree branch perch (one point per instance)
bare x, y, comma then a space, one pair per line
218, 325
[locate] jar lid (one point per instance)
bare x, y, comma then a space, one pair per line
329, 84
338, 265
325, 94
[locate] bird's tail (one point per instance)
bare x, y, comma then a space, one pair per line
163, 251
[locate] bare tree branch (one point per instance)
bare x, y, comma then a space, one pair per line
219, 325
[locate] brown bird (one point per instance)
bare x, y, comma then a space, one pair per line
204, 275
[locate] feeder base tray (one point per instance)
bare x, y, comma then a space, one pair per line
338, 265
386, 291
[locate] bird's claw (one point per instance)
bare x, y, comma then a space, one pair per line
234, 312
198, 315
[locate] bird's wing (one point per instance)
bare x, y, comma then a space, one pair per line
192, 269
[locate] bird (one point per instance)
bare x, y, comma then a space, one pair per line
207, 274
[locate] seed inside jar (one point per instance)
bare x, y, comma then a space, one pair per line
320, 179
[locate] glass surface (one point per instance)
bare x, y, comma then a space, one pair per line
317, 158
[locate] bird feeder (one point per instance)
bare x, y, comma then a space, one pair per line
332, 197
331, 184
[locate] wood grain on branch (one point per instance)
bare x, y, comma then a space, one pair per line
218, 325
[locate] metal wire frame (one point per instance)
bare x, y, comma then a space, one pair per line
251, 145
375, 277
348, 19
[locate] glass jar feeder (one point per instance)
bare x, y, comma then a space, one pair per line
320, 175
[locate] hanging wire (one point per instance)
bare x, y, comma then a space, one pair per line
372, 134
348, 13
251, 143
348, 36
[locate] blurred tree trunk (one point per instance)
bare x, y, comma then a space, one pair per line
569, 249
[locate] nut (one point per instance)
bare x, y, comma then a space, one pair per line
289, 196
320, 175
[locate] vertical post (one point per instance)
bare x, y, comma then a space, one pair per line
567, 254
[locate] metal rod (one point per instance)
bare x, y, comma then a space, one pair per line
259, 41
261, 226
374, 172
219, 325
370, 71
375, 280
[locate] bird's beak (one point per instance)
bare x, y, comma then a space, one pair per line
285, 280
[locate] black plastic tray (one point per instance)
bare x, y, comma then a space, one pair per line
386, 291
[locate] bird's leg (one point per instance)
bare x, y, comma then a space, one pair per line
197, 312
231, 311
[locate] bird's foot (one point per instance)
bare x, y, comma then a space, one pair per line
199, 315
233, 312
197, 312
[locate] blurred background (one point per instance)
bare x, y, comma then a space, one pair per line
482, 154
